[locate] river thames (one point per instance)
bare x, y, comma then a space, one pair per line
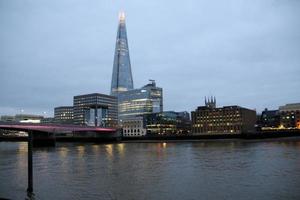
223, 169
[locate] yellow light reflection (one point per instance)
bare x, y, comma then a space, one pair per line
109, 150
81, 150
120, 148
164, 145
23, 147
22, 157
96, 147
63, 152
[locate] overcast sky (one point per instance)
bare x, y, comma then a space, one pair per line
244, 52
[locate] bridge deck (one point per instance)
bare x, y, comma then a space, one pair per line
55, 128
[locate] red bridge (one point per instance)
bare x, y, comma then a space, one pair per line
55, 128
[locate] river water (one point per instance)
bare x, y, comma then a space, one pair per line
223, 169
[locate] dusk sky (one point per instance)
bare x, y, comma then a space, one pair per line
244, 52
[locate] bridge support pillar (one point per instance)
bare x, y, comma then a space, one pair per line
30, 174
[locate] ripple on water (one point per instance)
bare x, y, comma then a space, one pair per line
198, 170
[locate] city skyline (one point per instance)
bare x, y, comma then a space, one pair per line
43, 63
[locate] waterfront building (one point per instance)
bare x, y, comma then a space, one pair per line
48, 120
146, 100
134, 126
162, 123
290, 115
95, 110
63, 114
22, 118
28, 118
122, 76
209, 119
270, 119
7, 118
168, 123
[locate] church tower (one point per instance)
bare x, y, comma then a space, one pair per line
210, 102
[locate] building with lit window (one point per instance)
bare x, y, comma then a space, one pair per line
95, 110
269, 119
146, 100
168, 123
63, 115
163, 123
290, 115
209, 119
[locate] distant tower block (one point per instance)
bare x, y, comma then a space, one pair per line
210, 102
122, 75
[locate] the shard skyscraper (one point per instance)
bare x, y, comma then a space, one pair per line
121, 76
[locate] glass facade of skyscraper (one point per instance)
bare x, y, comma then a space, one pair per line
148, 99
168, 123
122, 75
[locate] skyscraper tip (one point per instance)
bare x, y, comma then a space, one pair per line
122, 16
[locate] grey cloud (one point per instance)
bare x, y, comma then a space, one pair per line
243, 52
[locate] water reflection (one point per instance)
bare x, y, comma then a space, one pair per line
80, 150
164, 170
120, 149
109, 150
63, 152
95, 148
22, 148
30, 196
164, 145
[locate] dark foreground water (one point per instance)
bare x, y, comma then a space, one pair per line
231, 169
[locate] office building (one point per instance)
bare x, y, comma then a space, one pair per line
168, 123
269, 119
163, 123
209, 119
122, 76
146, 100
95, 110
290, 115
63, 115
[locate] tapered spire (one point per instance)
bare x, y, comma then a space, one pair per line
122, 75
122, 16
